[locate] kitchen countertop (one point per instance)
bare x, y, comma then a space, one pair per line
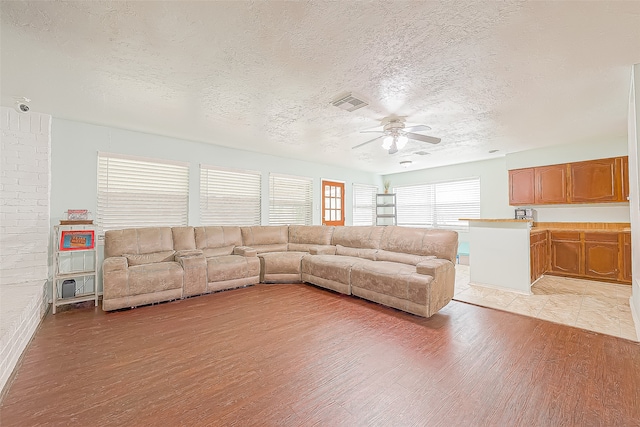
588, 227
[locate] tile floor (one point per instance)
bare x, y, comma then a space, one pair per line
596, 306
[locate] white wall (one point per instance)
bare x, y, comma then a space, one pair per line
24, 231
75, 147
634, 187
24, 196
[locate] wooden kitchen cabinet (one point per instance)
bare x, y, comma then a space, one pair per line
601, 255
625, 178
522, 186
566, 253
593, 181
551, 184
596, 181
625, 275
539, 254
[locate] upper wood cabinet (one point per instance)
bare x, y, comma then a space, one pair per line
551, 184
521, 186
593, 181
596, 181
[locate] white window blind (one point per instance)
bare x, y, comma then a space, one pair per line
138, 192
364, 204
229, 197
439, 204
290, 200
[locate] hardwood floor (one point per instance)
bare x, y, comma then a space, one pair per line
298, 355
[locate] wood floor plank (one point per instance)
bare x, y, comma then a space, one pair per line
299, 355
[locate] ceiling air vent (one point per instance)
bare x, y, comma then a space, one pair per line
349, 102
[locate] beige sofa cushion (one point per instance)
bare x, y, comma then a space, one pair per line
138, 241
303, 237
184, 238
266, 238
141, 259
420, 241
391, 278
330, 267
152, 278
356, 252
365, 237
217, 237
382, 255
221, 251
230, 267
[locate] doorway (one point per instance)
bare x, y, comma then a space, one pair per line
332, 203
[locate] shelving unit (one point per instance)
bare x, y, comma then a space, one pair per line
386, 209
79, 265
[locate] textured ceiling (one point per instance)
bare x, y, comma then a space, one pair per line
260, 76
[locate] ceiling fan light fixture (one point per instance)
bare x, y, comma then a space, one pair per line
387, 142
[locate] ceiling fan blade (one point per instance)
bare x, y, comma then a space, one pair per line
417, 128
371, 131
367, 142
423, 138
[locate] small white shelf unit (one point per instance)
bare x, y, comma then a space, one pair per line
386, 213
78, 265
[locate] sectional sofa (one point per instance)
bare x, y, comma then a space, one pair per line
411, 269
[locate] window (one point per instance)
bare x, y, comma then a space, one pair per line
364, 204
137, 192
229, 197
439, 205
290, 200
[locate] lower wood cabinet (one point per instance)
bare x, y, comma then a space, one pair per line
566, 253
626, 257
601, 255
539, 254
590, 255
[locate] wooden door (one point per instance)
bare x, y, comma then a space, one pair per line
601, 255
595, 181
566, 252
551, 184
521, 186
332, 203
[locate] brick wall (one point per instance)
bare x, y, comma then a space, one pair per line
24, 196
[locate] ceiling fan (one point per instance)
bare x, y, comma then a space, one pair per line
396, 135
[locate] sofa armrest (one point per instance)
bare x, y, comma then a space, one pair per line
115, 278
434, 267
194, 267
188, 252
322, 250
245, 251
